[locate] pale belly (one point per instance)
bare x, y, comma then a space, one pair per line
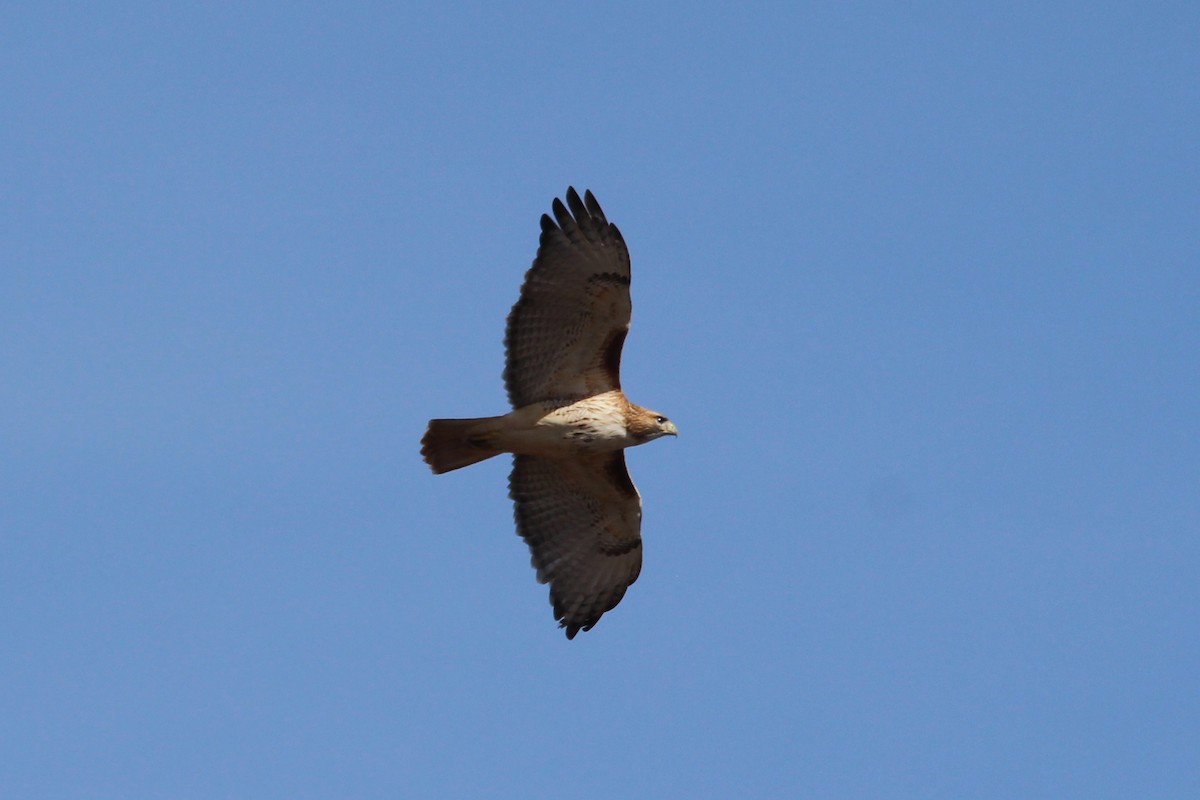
595, 424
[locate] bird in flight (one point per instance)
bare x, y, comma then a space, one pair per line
575, 504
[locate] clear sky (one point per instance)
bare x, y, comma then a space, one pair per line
919, 283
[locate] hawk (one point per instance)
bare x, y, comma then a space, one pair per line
575, 505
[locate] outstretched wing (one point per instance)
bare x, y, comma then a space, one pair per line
582, 520
566, 331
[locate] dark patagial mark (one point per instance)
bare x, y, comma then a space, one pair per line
610, 277
621, 548
610, 357
619, 475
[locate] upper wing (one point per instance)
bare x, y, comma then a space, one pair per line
582, 520
565, 333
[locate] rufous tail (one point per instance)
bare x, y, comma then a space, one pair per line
450, 444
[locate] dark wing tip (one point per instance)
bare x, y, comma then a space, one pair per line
561, 214
577, 207
593, 207
585, 214
573, 628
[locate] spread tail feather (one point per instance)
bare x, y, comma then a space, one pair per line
450, 444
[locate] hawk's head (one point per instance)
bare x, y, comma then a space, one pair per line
645, 425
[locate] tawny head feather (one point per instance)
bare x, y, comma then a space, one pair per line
644, 424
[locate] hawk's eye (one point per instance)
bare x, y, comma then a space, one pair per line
660, 420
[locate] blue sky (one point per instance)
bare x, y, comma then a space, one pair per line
919, 284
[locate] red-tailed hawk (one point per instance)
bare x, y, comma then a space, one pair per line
576, 507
